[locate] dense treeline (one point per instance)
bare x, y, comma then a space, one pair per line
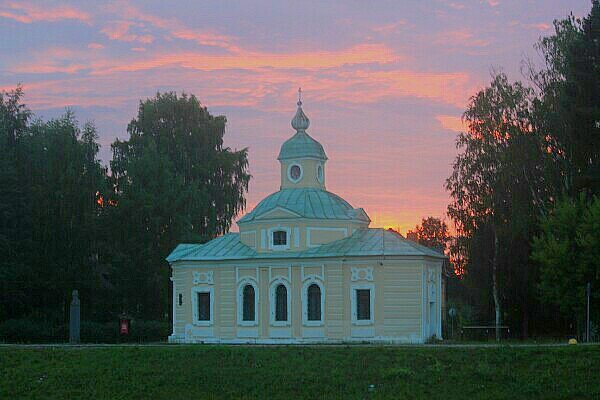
68, 222
525, 186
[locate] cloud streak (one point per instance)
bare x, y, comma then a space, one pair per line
28, 13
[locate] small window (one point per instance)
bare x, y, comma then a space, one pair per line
204, 306
320, 173
248, 307
180, 299
314, 302
280, 238
295, 173
363, 304
281, 303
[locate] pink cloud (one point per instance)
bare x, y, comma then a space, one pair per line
27, 13
392, 27
456, 6
173, 27
249, 60
540, 27
121, 31
205, 38
451, 122
461, 37
95, 46
451, 88
493, 3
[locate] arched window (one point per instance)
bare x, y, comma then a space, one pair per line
248, 306
281, 301
314, 302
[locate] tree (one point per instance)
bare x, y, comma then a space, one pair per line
14, 203
49, 176
497, 187
174, 181
568, 250
569, 106
433, 233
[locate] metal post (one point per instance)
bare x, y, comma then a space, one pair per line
74, 321
588, 292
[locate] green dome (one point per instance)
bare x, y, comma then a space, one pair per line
307, 203
301, 145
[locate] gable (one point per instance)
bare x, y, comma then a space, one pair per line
278, 213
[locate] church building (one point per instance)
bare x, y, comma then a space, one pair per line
305, 268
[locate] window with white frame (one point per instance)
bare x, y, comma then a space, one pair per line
279, 238
313, 302
280, 303
202, 305
281, 311
363, 304
247, 303
248, 309
362, 299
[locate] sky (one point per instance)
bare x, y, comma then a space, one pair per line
384, 83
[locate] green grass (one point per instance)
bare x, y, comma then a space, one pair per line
186, 372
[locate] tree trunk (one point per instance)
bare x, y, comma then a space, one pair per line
495, 284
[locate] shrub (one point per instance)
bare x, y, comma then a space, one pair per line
36, 330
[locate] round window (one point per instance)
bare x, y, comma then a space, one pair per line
295, 173
320, 173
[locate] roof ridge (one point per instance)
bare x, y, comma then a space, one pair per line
416, 245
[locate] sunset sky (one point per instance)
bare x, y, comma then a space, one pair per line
384, 83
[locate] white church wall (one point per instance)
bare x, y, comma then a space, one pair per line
398, 307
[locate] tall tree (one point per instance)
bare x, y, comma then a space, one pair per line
49, 178
568, 250
15, 223
569, 106
64, 176
496, 186
174, 181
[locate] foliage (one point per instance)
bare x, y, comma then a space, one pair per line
49, 190
433, 233
524, 148
301, 372
497, 188
174, 181
66, 223
568, 249
38, 330
15, 221
569, 104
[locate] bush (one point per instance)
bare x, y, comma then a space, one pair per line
35, 330
30, 330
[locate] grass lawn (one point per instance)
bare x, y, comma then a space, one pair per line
186, 372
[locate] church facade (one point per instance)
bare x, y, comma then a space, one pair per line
305, 268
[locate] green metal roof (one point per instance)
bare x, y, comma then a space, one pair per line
301, 145
307, 203
364, 242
